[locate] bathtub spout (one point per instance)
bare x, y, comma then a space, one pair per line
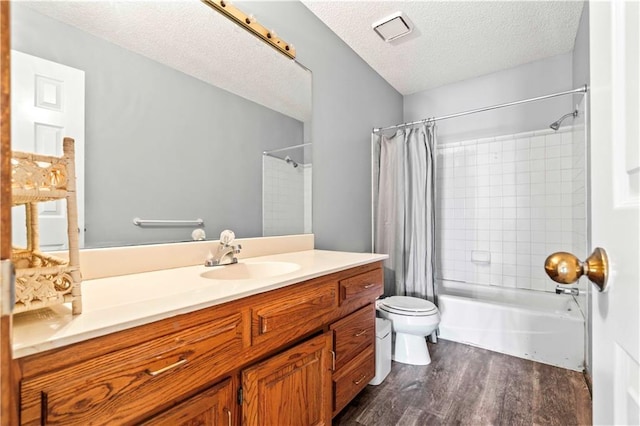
574, 291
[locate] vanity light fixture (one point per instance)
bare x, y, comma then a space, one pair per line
249, 23
393, 26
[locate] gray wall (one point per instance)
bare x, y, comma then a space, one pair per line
581, 75
526, 81
167, 147
349, 99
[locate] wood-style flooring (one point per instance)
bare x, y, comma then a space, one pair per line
465, 385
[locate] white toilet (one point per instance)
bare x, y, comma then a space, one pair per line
412, 320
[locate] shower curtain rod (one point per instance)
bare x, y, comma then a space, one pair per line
582, 89
286, 148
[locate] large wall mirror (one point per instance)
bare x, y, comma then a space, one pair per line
178, 114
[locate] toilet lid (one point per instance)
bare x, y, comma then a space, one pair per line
408, 305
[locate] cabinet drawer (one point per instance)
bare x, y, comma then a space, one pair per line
352, 334
127, 385
353, 378
293, 316
362, 288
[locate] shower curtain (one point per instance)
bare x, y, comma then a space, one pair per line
404, 209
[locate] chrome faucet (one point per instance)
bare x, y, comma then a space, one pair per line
225, 254
574, 291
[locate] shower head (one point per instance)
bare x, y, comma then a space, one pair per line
556, 124
290, 161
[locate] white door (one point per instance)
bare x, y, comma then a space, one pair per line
615, 213
47, 104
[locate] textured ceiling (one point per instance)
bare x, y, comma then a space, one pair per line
196, 40
452, 41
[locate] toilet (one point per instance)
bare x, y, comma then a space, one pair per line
412, 320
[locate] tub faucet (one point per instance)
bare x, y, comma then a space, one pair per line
574, 291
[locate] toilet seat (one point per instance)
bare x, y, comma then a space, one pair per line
408, 306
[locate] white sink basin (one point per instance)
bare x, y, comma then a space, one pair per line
250, 270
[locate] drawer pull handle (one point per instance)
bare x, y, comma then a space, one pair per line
368, 286
167, 368
360, 333
333, 361
357, 382
228, 415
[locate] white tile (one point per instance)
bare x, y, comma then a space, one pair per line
509, 281
509, 201
523, 224
522, 143
523, 282
523, 178
523, 189
523, 267
553, 164
538, 248
510, 270
482, 159
537, 177
523, 247
509, 168
538, 189
537, 153
538, 284
497, 202
509, 156
509, 224
508, 247
538, 225
497, 279
508, 190
553, 176
509, 235
509, 213
509, 258
509, 179
537, 165
495, 180
537, 142
553, 139
553, 151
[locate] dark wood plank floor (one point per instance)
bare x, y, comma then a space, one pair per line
464, 385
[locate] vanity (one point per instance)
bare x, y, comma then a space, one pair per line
292, 348
287, 340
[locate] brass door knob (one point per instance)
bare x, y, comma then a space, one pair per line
565, 268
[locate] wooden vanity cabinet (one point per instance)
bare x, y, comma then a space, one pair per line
354, 343
291, 388
263, 359
214, 406
120, 387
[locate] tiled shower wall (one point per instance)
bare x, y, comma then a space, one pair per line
505, 203
286, 198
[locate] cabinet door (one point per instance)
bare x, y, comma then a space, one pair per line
291, 388
212, 407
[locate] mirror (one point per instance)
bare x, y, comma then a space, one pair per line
178, 106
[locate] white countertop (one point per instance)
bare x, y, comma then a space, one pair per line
118, 303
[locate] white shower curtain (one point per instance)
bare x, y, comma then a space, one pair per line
404, 209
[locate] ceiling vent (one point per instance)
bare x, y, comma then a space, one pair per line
393, 26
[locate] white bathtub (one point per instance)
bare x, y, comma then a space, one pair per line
543, 327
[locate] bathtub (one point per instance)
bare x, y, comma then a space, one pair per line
543, 327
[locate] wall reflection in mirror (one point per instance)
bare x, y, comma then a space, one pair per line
172, 107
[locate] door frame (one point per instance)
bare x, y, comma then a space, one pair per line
8, 388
